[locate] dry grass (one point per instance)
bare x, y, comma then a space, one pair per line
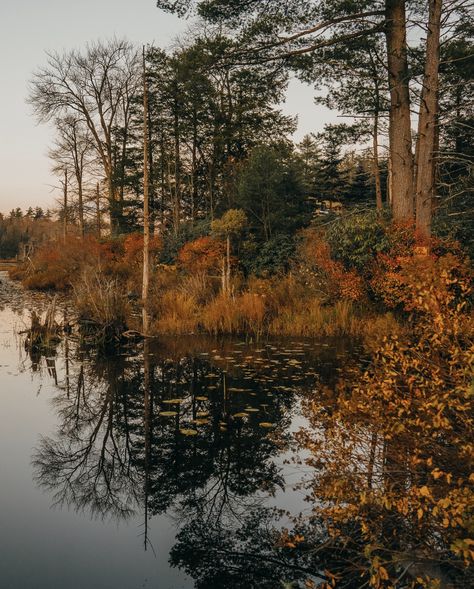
311, 318
101, 302
221, 315
177, 314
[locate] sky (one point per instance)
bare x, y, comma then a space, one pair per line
28, 29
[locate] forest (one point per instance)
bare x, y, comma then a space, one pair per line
185, 207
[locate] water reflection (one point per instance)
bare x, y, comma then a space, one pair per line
197, 435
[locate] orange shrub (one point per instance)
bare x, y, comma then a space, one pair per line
133, 248
328, 274
202, 255
55, 264
427, 285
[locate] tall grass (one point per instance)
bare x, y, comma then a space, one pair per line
102, 307
177, 314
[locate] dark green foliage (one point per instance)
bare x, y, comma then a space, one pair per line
271, 193
272, 257
13, 234
355, 239
174, 242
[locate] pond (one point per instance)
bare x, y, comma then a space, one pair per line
162, 466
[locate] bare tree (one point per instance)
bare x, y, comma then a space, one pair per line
146, 213
72, 149
95, 86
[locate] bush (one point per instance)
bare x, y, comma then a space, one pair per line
272, 257
356, 238
102, 306
54, 264
203, 255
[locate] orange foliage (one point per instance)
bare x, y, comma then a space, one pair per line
133, 248
55, 264
202, 255
331, 274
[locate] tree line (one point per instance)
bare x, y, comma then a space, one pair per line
217, 138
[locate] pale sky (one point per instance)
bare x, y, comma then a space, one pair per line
29, 28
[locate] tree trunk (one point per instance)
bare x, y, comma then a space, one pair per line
427, 122
151, 182
97, 207
402, 183
228, 264
146, 215
378, 184
81, 205
65, 206
177, 171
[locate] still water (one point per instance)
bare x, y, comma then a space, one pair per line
152, 468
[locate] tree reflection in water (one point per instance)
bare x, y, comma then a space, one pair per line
167, 431
171, 430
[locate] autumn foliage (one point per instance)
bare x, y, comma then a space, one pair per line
393, 470
204, 254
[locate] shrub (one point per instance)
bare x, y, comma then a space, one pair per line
272, 257
355, 239
55, 263
204, 254
102, 306
133, 249
426, 286
327, 275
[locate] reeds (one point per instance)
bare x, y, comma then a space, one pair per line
44, 333
102, 307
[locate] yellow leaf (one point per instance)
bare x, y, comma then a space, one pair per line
425, 492
383, 574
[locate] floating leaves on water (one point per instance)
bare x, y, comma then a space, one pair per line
173, 401
240, 415
201, 398
168, 413
202, 413
251, 409
266, 424
188, 432
200, 421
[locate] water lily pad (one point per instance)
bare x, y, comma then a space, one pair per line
200, 421
266, 424
168, 413
240, 415
173, 401
188, 432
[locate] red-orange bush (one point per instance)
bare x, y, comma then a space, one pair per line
55, 264
133, 248
202, 255
328, 274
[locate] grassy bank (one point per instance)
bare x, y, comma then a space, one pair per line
354, 280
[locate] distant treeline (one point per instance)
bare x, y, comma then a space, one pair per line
19, 229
